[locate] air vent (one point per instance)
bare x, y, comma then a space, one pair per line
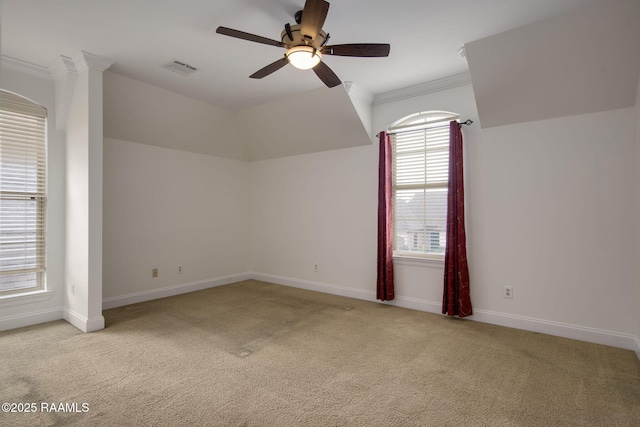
180, 67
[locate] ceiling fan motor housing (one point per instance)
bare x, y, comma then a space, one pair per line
300, 40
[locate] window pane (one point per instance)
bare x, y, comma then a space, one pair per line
421, 220
420, 181
22, 193
19, 281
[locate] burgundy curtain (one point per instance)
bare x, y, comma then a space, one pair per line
456, 300
385, 229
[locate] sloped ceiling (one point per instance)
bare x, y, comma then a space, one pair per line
318, 120
583, 61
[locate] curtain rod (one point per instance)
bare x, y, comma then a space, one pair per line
467, 122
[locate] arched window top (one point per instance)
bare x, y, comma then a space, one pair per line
422, 120
21, 105
420, 174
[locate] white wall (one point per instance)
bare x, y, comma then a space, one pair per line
164, 208
551, 216
316, 209
548, 213
29, 310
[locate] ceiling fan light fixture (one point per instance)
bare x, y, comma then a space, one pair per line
303, 57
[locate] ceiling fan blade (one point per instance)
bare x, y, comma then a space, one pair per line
313, 16
326, 74
247, 36
358, 49
273, 67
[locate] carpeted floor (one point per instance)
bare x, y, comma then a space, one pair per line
258, 354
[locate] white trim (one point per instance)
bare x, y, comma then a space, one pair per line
61, 66
25, 67
32, 318
94, 324
343, 291
566, 330
83, 323
169, 291
25, 298
415, 304
85, 60
316, 286
598, 336
418, 262
423, 88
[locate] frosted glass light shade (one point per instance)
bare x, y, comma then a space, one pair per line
303, 57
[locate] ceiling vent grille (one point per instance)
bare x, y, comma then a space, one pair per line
180, 67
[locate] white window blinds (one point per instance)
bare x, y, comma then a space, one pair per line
22, 193
420, 181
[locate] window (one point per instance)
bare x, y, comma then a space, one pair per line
22, 194
420, 178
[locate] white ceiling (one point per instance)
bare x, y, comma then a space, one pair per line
141, 35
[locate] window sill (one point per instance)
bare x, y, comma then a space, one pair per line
420, 262
25, 298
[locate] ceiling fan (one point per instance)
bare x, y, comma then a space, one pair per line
306, 43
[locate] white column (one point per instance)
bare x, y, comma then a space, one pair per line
83, 261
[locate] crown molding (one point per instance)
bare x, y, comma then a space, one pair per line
19, 65
423, 88
85, 60
62, 66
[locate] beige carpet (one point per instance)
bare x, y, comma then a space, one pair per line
257, 354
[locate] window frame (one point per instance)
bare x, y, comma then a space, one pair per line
25, 126
417, 122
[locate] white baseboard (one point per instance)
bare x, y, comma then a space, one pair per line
566, 330
31, 318
169, 291
399, 301
315, 286
83, 323
597, 336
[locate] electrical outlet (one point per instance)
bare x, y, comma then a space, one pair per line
73, 289
508, 292
179, 268
154, 272
315, 267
